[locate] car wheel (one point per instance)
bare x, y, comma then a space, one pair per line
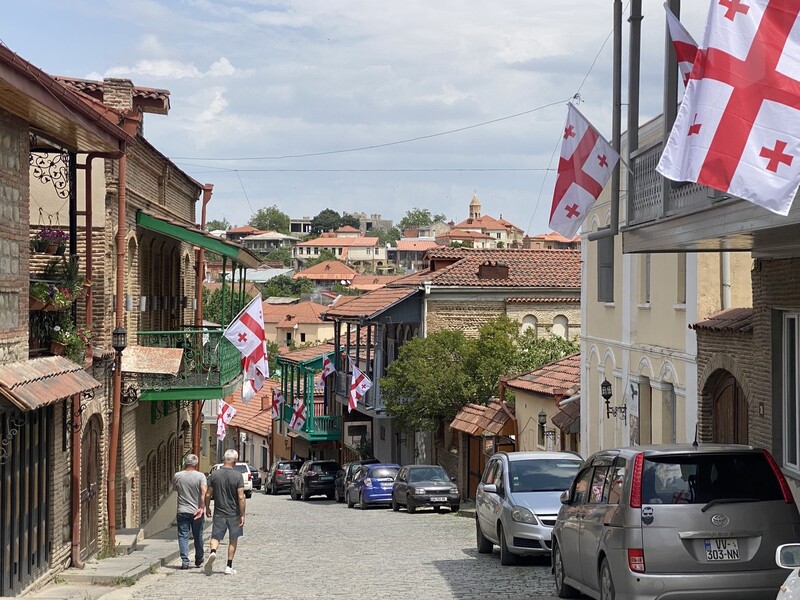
410, 507
337, 495
562, 589
484, 545
437, 509
361, 502
506, 558
305, 494
606, 583
266, 489
274, 488
292, 494
395, 504
455, 508
329, 495
248, 494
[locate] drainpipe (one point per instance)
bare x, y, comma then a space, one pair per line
197, 407
75, 480
725, 264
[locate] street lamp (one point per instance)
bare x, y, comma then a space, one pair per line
547, 434
119, 339
617, 411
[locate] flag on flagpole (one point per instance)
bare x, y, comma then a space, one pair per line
359, 384
225, 413
298, 416
246, 333
327, 367
684, 44
277, 401
586, 163
731, 132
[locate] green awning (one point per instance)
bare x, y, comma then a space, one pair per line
197, 237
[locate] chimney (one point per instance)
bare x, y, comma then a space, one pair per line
266, 401
118, 93
493, 269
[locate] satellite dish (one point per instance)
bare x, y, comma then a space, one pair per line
343, 282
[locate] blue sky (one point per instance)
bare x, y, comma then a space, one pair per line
252, 79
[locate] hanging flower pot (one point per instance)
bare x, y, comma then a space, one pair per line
51, 249
36, 304
61, 249
40, 246
57, 348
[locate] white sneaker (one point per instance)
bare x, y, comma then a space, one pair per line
209, 566
230, 571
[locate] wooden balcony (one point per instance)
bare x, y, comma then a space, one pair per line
317, 428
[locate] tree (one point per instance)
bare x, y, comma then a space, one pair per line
428, 381
419, 217
537, 351
212, 305
352, 220
386, 236
326, 220
215, 224
285, 286
270, 219
282, 254
323, 255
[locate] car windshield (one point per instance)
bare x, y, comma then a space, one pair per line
704, 477
428, 474
241, 468
325, 468
542, 475
384, 473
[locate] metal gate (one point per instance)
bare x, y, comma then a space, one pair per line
90, 487
24, 509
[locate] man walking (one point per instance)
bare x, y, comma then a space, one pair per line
191, 487
226, 488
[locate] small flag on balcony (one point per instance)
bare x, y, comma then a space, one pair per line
359, 385
225, 413
586, 163
298, 416
684, 44
246, 333
732, 131
277, 401
327, 367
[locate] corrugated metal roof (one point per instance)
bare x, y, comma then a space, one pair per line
145, 359
732, 320
35, 383
476, 419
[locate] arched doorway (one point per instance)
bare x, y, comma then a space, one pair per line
90, 487
729, 411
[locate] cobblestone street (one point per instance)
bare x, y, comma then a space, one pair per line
320, 549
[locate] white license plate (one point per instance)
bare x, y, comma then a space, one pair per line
386, 486
325, 478
718, 549
439, 499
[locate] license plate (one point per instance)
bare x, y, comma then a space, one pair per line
386, 486
325, 478
718, 549
439, 499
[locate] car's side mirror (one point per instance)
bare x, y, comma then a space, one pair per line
565, 498
490, 488
788, 556
454, 479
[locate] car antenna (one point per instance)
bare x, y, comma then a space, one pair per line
694, 443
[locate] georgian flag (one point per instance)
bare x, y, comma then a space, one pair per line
246, 332
684, 44
277, 401
359, 385
298, 416
734, 131
225, 413
586, 163
327, 367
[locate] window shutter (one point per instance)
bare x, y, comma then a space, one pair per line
605, 269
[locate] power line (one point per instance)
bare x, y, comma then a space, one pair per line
441, 170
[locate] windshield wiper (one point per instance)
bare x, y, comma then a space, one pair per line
727, 501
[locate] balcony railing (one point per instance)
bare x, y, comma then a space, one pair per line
317, 426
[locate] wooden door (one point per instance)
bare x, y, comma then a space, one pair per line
476, 463
90, 487
729, 410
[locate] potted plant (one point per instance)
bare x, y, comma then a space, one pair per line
59, 339
85, 336
66, 341
39, 296
48, 240
61, 298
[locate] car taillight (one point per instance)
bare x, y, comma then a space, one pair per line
278, 472
636, 560
249, 477
785, 489
636, 482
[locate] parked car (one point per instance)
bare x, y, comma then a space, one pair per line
424, 485
280, 476
518, 499
371, 485
256, 477
669, 521
247, 476
345, 476
787, 556
315, 478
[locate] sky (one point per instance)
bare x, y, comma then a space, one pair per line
311, 104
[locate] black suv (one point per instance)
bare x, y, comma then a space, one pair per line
280, 476
315, 478
345, 476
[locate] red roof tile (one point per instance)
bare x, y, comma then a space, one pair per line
31, 384
287, 315
556, 237
484, 222
347, 229
373, 303
415, 245
476, 419
732, 320
560, 377
256, 415
335, 242
329, 270
460, 234
543, 300
368, 283
249, 229
310, 353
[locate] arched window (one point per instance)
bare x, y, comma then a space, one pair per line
529, 322
561, 326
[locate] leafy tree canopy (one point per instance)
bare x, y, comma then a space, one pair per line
327, 220
386, 236
323, 255
419, 217
215, 224
352, 220
212, 305
270, 219
285, 286
282, 254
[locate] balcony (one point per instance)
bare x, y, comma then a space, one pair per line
317, 428
694, 218
210, 366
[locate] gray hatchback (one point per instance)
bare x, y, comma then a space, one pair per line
674, 522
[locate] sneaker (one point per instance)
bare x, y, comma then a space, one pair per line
185, 567
198, 563
210, 563
230, 571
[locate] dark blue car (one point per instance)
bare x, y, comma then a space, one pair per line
372, 484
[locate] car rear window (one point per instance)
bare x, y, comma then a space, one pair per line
542, 475
289, 466
703, 477
384, 473
325, 468
241, 468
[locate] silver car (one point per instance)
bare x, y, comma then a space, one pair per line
682, 521
518, 499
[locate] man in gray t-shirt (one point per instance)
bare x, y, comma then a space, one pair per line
226, 488
190, 484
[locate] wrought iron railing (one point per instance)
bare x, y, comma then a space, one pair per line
209, 359
316, 424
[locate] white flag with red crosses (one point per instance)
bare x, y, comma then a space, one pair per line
246, 332
736, 129
225, 414
683, 43
586, 163
277, 402
359, 386
327, 367
299, 415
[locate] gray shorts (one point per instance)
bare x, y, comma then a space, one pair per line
219, 525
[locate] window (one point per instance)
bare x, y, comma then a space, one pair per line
488, 474
644, 296
340, 251
561, 326
302, 337
580, 494
529, 322
498, 234
316, 251
599, 482
615, 482
668, 417
369, 251
605, 269
681, 283
288, 336
791, 443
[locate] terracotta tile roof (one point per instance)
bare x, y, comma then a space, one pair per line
475, 419
732, 320
567, 416
256, 415
368, 283
329, 270
509, 224
32, 384
97, 88
373, 303
335, 242
556, 237
310, 353
287, 315
460, 234
347, 229
560, 377
484, 222
248, 229
543, 300
415, 245
412, 279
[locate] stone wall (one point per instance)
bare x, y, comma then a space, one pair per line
467, 316
546, 313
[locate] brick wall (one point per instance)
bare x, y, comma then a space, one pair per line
546, 313
467, 316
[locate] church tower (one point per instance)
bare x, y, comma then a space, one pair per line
475, 208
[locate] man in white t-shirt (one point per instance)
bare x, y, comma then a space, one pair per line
191, 487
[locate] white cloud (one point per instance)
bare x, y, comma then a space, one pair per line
175, 69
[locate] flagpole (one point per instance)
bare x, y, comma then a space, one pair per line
670, 94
